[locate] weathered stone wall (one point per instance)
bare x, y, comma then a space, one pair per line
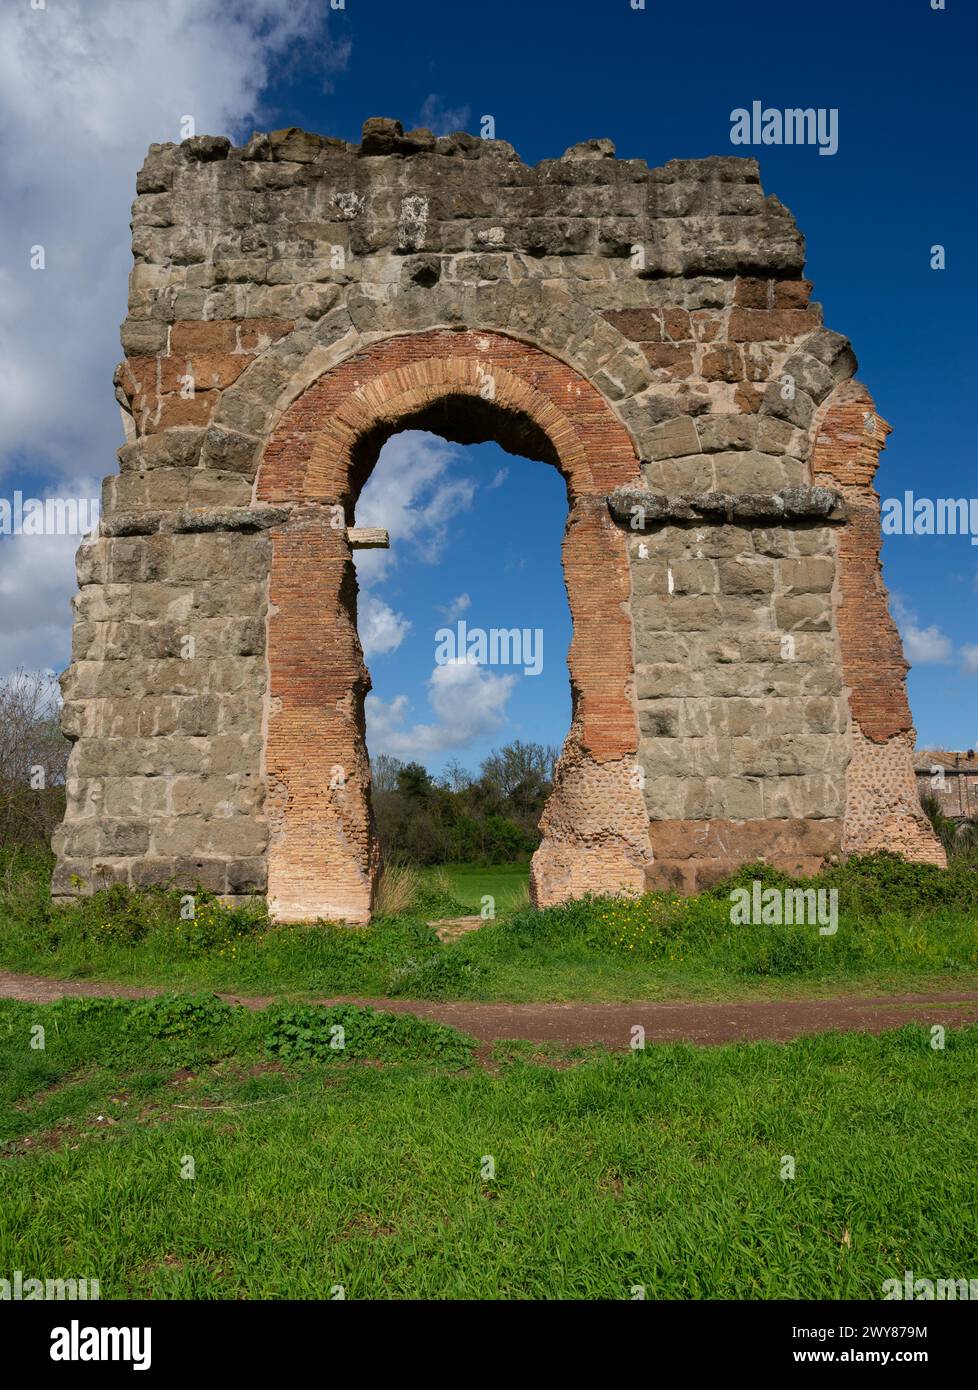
648, 332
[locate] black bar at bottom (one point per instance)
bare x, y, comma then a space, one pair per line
73, 1337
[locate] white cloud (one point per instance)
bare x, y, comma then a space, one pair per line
411, 493
469, 703
381, 629
37, 579
499, 477
84, 89
924, 646
454, 609
969, 658
440, 119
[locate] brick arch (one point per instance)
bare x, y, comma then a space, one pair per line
323, 857
555, 322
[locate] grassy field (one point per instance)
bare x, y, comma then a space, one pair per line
507, 884
370, 1168
901, 927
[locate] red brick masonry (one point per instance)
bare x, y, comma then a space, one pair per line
882, 803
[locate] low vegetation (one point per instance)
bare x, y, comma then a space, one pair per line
457, 846
182, 1148
959, 837
900, 926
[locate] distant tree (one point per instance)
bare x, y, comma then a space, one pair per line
33, 758
460, 818
959, 837
414, 780
455, 777
384, 769
505, 840
521, 774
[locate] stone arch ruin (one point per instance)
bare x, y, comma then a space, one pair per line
738, 684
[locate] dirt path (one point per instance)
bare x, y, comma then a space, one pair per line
610, 1024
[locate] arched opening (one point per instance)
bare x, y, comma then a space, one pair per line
469, 387
465, 629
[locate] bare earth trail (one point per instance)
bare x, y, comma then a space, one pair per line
611, 1025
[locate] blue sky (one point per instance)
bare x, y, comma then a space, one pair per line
661, 82
490, 559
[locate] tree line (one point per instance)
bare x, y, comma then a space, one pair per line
461, 817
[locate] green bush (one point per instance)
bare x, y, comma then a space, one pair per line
216, 928
118, 915
437, 976
179, 1015
872, 882
434, 900
189, 923
310, 1032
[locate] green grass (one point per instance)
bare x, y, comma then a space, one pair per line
902, 927
366, 1168
469, 883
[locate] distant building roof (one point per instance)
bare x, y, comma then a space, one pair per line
926, 758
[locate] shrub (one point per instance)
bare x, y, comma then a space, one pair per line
310, 1032
886, 882
179, 1015
217, 928
435, 899
406, 891
126, 917
959, 837
879, 882
397, 890
438, 976
119, 914
32, 750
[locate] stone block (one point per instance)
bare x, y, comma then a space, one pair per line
813, 574
746, 576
